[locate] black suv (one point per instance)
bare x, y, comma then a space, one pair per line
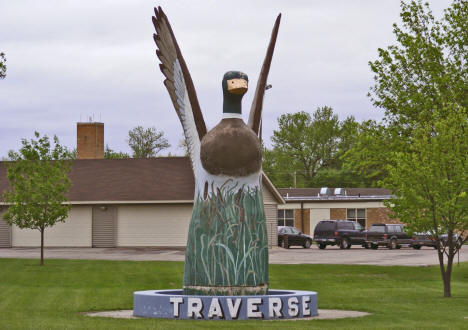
343, 233
392, 236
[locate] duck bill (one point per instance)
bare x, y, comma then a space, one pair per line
237, 86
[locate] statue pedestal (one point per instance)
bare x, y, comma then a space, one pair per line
173, 304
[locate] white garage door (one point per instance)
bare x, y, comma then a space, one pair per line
316, 215
153, 225
74, 232
5, 232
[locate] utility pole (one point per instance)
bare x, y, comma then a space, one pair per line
294, 176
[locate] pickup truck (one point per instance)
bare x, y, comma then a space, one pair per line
390, 235
343, 233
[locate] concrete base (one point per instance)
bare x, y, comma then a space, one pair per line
323, 314
173, 304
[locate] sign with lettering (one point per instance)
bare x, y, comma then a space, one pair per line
173, 304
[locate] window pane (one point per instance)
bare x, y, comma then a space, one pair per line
345, 225
361, 213
362, 222
380, 229
351, 213
289, 214
391, 229
280, 214
357, 226
280, 222
397, 229
294, 231
289, 222
327, 226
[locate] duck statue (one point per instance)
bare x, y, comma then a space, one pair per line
227, 244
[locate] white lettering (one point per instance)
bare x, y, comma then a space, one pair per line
194, 308
215, 309
274, 307
252, 307
234, 309
305, 305
176, 301
293, 309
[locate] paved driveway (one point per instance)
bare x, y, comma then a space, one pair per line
331, 255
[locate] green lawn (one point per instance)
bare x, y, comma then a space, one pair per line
52, 297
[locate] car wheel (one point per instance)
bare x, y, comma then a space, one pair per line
284, 245
322, 246
374, 246
416, 247
307, 244
344, 243
392, 245
366, 245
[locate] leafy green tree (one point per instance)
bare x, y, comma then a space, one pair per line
111, 154
2, 65
430, 182
146, 143
309, 147
419, 150
425, 71
38, 176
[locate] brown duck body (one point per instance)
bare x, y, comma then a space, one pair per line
231, 148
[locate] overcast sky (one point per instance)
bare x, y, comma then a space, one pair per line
69, 60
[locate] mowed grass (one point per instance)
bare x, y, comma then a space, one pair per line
55, 295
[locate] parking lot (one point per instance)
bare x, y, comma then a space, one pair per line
295, 255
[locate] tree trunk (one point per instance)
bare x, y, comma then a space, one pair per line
446, 272
42, 246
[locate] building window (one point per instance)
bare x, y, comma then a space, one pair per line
358, 215
286, 218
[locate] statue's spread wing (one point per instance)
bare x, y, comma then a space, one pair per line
257, 103
179, 84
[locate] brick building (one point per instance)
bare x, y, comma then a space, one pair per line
305, 207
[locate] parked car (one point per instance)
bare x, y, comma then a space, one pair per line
289, 236
456, 239
422, 239
426, 239
392, 236
343, 233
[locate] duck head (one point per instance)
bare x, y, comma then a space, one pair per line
235, 85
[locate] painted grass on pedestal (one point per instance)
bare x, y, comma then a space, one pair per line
227, 246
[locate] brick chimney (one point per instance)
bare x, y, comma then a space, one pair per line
90, 140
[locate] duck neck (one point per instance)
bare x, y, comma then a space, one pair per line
232, 104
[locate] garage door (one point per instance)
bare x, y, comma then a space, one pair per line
104, 226
74, 232
5, 232
153, 225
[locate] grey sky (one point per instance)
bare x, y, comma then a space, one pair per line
74, 59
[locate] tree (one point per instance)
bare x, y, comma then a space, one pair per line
111, 154
420, 147
430, 182
310, 146
146, 143
2, 65
38, 176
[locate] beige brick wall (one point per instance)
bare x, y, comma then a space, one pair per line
303, 226
378, 215
337, 214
